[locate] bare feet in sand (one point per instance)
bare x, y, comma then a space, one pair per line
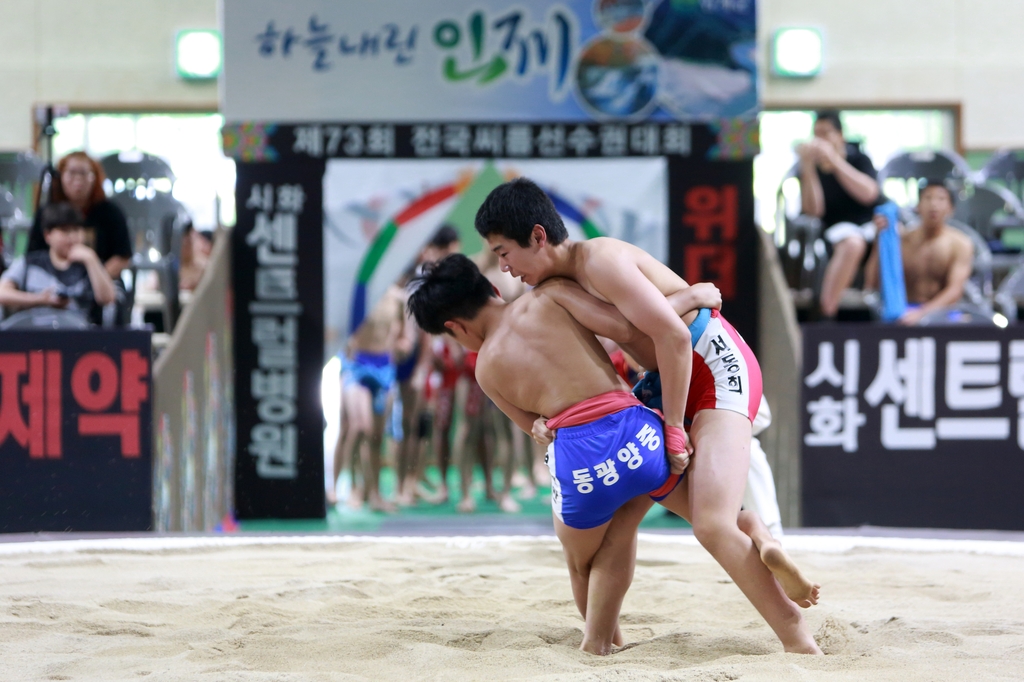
798, 588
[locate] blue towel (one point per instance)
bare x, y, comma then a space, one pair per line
890, 267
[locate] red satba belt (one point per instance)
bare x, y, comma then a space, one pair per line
593, 409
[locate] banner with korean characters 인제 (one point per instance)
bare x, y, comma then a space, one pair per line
460, 60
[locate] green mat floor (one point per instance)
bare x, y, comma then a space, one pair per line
442, 519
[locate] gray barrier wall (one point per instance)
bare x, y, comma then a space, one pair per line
779, 353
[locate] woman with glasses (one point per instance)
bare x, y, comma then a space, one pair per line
79, 181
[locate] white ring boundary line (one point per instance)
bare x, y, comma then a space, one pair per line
822, 544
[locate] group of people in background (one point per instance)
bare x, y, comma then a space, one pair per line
839, 186
77, 232
421, 390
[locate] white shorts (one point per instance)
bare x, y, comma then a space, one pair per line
840, 231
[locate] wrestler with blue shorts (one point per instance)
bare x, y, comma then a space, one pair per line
609, 454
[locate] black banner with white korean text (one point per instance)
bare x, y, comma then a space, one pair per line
920, 427
279, 340
75, 431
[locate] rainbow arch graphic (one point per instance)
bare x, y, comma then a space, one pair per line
417, 207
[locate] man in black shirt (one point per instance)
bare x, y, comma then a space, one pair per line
838, 185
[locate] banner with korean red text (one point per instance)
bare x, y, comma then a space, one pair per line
75, 431
915, 427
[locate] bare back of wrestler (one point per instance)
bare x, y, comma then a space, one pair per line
539, 338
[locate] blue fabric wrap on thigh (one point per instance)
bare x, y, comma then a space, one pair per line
600, 466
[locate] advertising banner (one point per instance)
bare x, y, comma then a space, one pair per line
75, 431
486, 60
279, 340
915, 427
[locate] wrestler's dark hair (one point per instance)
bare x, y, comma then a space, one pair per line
925, 183
444, 237
61, 214
451, 288
830, 115
512, 209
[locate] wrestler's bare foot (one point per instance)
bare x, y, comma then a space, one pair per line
527, 492
602, 648
431, 497
798, 588
379, 504
466, 506
508, 505
332, 498
356, 499
810, 649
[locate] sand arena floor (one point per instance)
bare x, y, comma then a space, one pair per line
329, 608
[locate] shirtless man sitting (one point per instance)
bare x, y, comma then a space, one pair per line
937, 258
608, 449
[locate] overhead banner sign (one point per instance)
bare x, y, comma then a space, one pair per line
75, 431
913, 427
473, 60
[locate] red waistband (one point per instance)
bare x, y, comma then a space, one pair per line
593, 409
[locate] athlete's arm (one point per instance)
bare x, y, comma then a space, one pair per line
619, 280
695, 297
523, 419
599, 317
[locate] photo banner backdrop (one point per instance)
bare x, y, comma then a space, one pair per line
915, 427
75, 431
280, 257
498, 60
478, 92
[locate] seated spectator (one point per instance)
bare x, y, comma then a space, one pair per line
69, 275
937, 258
195, 254
838, 185
79, 181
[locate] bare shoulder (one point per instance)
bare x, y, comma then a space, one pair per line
961, 242
611, 249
